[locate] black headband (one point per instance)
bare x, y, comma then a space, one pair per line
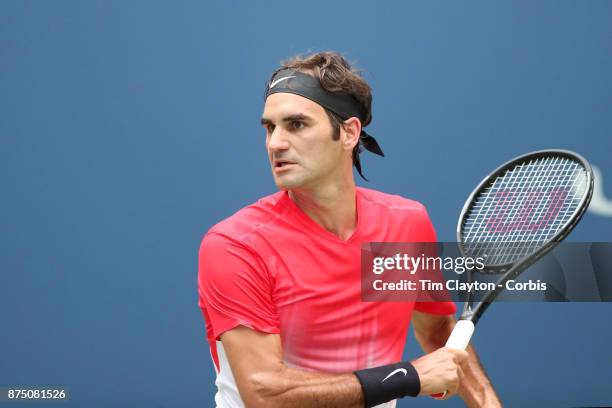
343, 105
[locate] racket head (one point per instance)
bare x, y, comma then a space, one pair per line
524, 207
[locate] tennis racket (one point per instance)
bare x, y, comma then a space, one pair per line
515, 216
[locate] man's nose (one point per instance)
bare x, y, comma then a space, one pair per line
278, 140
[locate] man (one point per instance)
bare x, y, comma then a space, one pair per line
279, 281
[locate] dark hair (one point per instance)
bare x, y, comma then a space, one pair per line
336, 76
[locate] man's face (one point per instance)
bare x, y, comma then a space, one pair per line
299, 141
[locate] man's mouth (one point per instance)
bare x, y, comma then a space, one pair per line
282, 163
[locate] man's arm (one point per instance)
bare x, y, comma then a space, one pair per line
431, 332
265, 381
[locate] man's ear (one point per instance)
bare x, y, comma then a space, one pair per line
351, 129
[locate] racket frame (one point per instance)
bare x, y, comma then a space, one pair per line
512, 270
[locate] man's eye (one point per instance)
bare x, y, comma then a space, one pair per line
296, 124
270, 128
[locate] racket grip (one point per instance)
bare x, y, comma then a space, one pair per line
461, 335
459, 340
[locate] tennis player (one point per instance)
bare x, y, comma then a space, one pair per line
279, 281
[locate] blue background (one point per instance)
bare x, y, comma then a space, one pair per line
128, 128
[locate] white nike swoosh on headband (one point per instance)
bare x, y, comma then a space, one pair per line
399, 370
273, 84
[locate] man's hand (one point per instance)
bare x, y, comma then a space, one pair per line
441, 371
476, 389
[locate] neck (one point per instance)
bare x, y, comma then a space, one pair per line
333, 206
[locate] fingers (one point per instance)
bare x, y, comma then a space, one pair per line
461, 356
454, 388
460, 373
441, 371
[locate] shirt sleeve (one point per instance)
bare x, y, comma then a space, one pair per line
427, 233
234, 287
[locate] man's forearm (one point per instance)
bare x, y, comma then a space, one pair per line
297, 388
265, 381
476, 388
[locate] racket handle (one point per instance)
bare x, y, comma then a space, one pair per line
461, 335
459, 340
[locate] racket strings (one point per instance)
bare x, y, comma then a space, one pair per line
523, 208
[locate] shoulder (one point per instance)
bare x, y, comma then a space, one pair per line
245, 222
230, 247
408, 216
392, 202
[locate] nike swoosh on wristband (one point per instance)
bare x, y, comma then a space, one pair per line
399, 370
273, 84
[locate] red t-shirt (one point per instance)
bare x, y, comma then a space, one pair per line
272, 268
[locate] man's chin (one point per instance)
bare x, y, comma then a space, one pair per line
285, 183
